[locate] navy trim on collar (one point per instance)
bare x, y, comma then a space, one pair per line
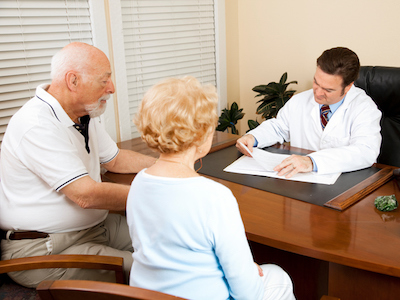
50, 107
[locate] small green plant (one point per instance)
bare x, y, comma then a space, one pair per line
386, 203
229, 118
275, 96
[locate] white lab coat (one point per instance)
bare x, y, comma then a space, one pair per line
351, 140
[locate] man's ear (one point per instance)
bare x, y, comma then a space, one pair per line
71, 80
347, 88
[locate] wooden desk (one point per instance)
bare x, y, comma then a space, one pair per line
352, 254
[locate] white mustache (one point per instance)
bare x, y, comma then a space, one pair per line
105, 97
94, 110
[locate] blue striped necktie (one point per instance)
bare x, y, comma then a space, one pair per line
324, 115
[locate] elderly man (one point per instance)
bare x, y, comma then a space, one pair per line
53, 200
335, 119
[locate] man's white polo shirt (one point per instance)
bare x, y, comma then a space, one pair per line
41, 153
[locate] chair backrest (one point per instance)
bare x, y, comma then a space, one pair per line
8, 288
382, 84
88, 290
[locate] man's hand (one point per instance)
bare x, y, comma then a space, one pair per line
247, 140
294, 164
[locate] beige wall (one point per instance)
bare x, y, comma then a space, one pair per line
267, 38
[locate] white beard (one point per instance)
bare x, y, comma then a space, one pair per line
97, 109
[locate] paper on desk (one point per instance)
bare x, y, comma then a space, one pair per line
263, 160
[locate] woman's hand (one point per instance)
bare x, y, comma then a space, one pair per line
260, 271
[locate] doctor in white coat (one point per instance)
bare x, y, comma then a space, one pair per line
351, 138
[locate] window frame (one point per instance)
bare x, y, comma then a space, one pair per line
106, 32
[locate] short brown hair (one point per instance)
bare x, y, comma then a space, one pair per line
340, 61
176, 114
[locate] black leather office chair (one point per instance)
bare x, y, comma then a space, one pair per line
382, 84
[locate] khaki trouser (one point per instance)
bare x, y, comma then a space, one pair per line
110, 237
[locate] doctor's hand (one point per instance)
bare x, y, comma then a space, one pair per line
247, 140
294, 164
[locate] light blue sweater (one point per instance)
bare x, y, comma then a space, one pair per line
189, 240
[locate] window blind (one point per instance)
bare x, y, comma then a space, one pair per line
167, 38
31, 32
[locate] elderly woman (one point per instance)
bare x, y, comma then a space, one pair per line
187, 232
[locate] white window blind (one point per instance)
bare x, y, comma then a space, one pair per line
31, 32
167, 38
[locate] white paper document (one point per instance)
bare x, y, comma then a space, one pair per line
263, 162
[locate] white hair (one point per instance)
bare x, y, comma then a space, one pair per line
72, 57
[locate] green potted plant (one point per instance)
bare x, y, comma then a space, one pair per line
275, 95
229, 118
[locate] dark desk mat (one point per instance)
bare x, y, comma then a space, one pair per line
319, 194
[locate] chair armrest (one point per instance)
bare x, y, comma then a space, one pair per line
73, 289
80, 261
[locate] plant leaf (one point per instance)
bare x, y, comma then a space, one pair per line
268, 98
234, 106
259, 88
283, 78
252, 124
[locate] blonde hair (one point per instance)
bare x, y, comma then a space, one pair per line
177, 114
